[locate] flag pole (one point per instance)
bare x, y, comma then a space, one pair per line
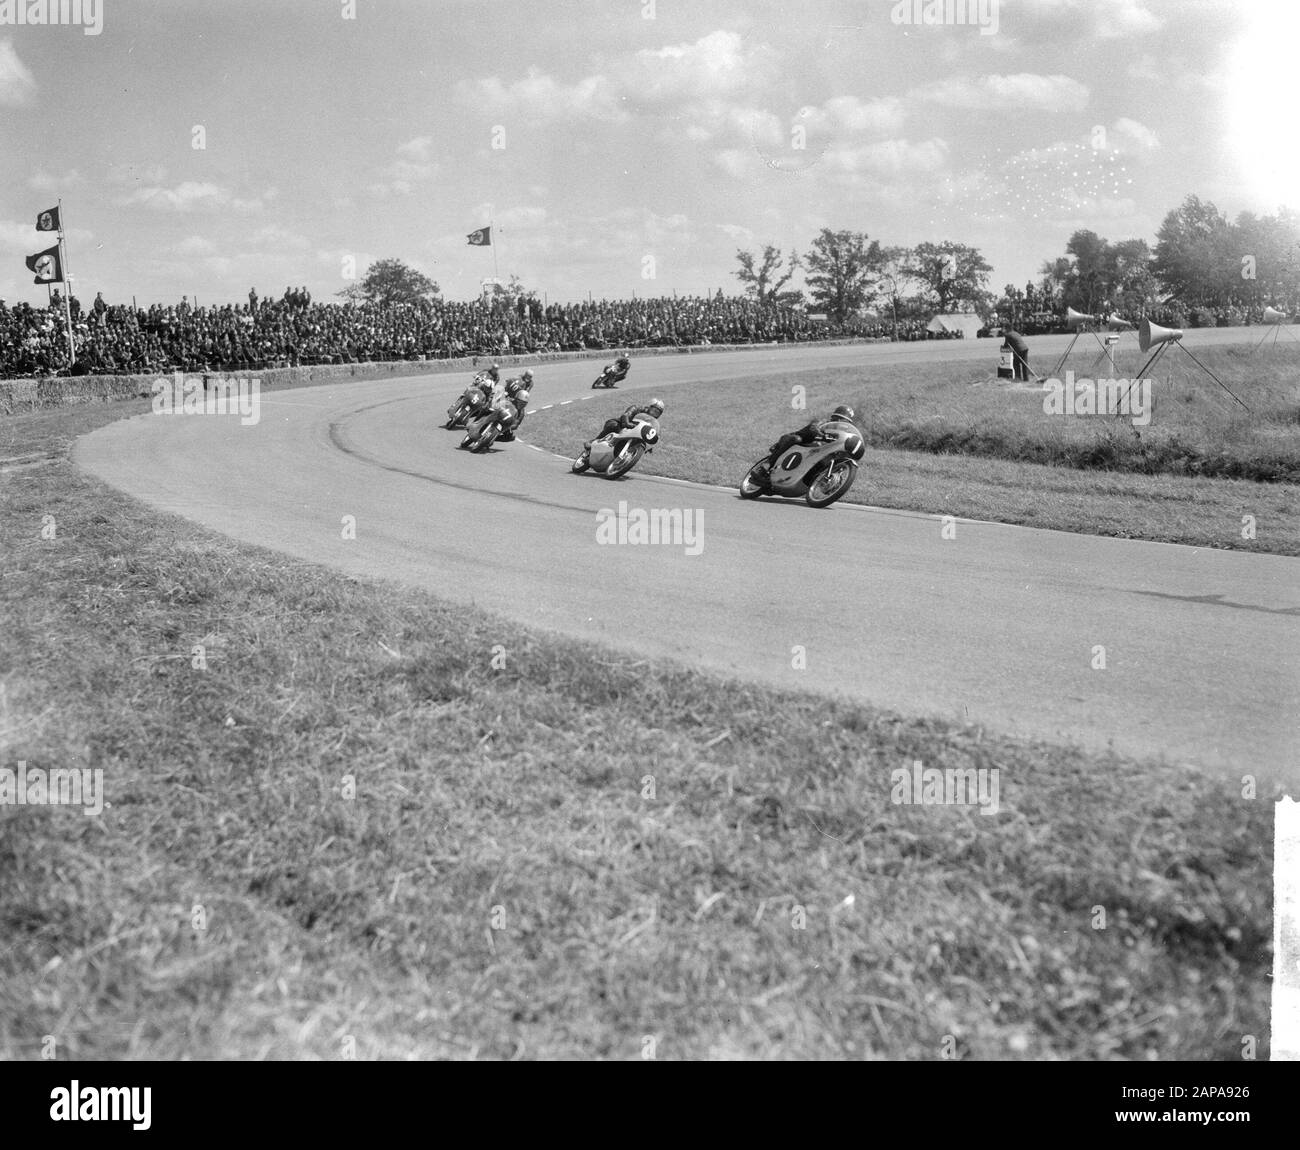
496, 275
67, 291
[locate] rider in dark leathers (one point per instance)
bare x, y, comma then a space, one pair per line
810, 432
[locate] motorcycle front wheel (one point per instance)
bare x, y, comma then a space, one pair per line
831, 484
625, 462
752, 486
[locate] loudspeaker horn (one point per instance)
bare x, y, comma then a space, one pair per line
1074, 318
1150, 334
1115, 323
1272, 315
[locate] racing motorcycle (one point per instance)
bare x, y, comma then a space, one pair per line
482, 431
605, 378
520, 403
617, 453
821, 472
471, 403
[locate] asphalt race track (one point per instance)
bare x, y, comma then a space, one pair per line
997, 626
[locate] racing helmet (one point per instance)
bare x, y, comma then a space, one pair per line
655, 407
846, 413
527, 377
622, 361
495, 372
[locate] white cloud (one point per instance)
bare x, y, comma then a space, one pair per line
411, 167
194, 195
1013, 93
888, 158
416, 150
195, 246
1105, 19
1132, 136
741, 235
539, 94
1122, 19
16, 83
184, 197
714, 65
849, 114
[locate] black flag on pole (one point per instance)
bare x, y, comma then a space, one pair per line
49, 221
47, 265
481, 238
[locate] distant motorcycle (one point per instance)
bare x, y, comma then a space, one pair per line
471, 403
605, 378
484, 430
617, 453
821, 472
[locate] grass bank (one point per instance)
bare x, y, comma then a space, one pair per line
947, 440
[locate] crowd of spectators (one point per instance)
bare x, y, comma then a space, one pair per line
293, 331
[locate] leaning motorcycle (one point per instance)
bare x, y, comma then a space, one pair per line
617, 453
605, 378
520, 403
483, 431
820, 472
471, 403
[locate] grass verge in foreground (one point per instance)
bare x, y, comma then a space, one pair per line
566, 854
713, 432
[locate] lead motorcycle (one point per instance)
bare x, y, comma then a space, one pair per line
483, 431
820, 472
605, 378
471, 404
617, 453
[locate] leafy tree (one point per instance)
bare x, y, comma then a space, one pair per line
1194, 253
842, 269
1133, 284
949, 273
391, 281
1273, 243
766, 281
892, 281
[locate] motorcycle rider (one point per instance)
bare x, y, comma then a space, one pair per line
617, 371
517, 390
615, 423
810, 432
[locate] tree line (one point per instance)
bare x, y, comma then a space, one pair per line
1201, 260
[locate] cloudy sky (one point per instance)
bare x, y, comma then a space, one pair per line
619, 146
